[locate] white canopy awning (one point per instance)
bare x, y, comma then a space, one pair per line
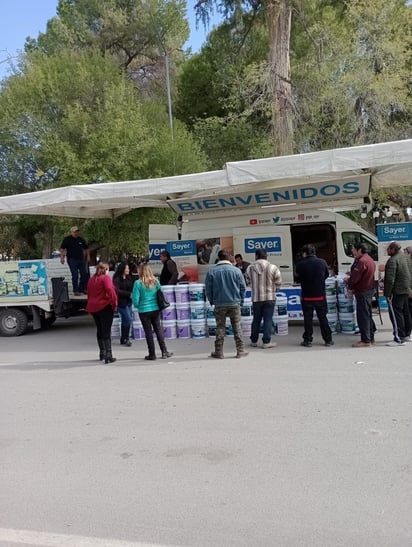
388, 164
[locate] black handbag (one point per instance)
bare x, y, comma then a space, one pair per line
162, 301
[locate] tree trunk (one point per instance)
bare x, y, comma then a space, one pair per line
279, 17
48, 229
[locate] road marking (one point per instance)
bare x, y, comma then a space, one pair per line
45, 539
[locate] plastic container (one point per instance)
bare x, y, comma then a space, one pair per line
197, 310
210, 310
331, 303
341, 286
169, 314
345, 304
115, 329
183, 329
197, 292
333, 322
138, 332
169, 292
198, 328
182, 312
211, 326
330, 286
246, 325
169, 329
182, 294
347, 323
247, 309
281, 306
281, 325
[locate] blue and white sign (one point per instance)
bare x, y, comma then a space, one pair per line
182, 247
293, 194
399, 231
293, 294
154, 251
269, 244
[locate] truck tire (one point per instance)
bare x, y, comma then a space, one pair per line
13, 322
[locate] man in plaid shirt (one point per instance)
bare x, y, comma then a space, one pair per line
265, 280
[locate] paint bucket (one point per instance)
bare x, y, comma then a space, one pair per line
138, 332
169, 292
330, 286
248, 294
281, 325
341, 286
169, 314
183, 329
197, 310
182, 294
246, 310
115, 330
331, 303
281, 306
210, 311
333, 322
169, 329
196, 292
182, 312
135, 315
345, 304
211, 326
246, 325
347, 323
229, 328
198, 327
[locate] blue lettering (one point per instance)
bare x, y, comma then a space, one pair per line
277, 196
269, 243
227, 201
307, 193
330, 190
210, 204
245, 201
263, 198
186, 206
350, 187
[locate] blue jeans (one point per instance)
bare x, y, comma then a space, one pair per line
364, 315
78, 267
262, 310
126, 315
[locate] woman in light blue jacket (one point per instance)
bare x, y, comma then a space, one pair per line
145, 300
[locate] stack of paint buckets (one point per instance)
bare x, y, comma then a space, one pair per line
331, 301
280, 316
346, 307
246, 315
197, 301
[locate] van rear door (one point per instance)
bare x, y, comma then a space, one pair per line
274, 239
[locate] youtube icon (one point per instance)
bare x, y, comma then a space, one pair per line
253, 221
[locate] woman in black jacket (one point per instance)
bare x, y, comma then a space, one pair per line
123, 283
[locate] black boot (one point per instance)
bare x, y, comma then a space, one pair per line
124, 340
102, 354
108, 349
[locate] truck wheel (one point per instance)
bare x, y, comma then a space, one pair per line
13, 322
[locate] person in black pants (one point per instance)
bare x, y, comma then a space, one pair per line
311, 273
75, 249
169, 273
123, 283
144, 298
102, 303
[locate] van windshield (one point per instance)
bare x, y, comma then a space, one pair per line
350, 238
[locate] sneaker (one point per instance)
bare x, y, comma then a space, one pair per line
253, 344
269, 345
241, 354
330, 343
361, 344
167, 354
150, 357
216, 355
306, 344
394, 343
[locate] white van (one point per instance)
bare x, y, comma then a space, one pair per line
282, 235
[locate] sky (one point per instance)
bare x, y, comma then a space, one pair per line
22, 18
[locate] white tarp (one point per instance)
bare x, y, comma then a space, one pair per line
387, 164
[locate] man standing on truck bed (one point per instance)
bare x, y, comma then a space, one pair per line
311, 273
75, 249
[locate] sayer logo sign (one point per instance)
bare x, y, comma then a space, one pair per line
270, 244
400, 231
155, 249
182, 248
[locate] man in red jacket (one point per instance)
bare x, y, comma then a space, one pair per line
361, 281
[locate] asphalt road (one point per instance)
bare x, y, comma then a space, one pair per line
290, 446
